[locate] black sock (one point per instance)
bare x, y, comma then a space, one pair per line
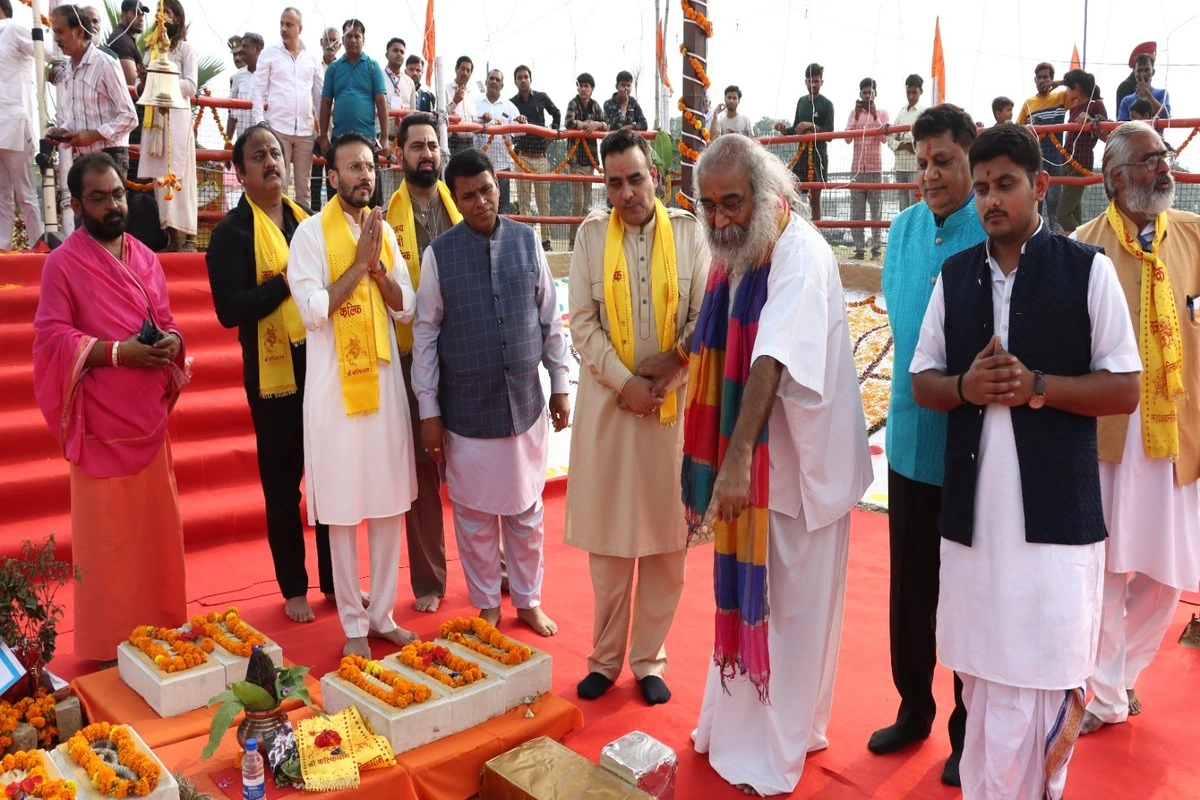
654, 690
593, 686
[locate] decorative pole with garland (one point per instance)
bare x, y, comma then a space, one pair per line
697, 29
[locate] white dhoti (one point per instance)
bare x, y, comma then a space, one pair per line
383, 539
763, 745
479, 536
1014, 736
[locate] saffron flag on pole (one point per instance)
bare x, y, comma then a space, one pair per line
938, 69
1075, 63
428, 47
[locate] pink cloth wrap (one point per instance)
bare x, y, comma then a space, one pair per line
110, 422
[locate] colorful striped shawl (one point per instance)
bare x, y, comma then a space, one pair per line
719, 368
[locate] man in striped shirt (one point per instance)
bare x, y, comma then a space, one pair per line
98, 113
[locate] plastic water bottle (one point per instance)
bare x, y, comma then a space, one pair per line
254, 784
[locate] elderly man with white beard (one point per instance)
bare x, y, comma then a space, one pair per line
1149, 460
775, 456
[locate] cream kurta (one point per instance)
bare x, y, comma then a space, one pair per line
623, 496
180, 212
359, 467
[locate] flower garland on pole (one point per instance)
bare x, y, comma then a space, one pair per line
697, 30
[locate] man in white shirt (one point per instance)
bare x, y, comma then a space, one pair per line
902, 143
241, 85
1023, 368
458, 99
781, 459
731, 121
492, 109
288, 84
401, 91
16, 129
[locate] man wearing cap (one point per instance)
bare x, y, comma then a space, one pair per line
1129, 85
124, 39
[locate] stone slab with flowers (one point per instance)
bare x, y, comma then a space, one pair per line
401, 708
234, 639
526, 671
171, 673
112, 761
476, 695
34, 773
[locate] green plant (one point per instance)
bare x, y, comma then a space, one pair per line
29, 616
667, 160
248, 695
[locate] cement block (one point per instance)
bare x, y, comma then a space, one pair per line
528, 679
173, 693
24, 738
470, 705
405, 728
69, 717
167, 789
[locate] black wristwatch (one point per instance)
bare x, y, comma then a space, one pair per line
1039, 390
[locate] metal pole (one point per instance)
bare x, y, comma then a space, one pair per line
657, 66
439, 72
1083, 59
47, 165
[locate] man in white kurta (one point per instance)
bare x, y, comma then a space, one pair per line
1017, 619
495, 482
820, 465
1151, 503
356, 467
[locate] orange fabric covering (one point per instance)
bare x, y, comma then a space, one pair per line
447, 769
106, 698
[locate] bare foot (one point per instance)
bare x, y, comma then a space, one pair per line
397, 636
1135, 705
298, 609
1091, 723
357, 646
537, 619
366, 598
428, 603
490, 615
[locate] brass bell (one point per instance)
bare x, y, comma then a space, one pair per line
162, 85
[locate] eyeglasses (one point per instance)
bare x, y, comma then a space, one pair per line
104, 198
1152, 163
729, 207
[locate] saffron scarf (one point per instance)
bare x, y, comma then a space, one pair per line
664, 289
1158, 340
276, 373
400, 217
360, 325
1061, 738
717, 375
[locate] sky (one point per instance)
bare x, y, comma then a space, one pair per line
991, 46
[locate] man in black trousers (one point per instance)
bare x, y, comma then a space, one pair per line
247, 270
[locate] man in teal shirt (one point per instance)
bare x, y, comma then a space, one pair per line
920, 239
354, 93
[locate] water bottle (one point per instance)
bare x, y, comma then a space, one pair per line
254, 785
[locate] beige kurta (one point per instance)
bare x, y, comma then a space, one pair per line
623, 495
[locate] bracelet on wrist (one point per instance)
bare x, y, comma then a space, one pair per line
116, 354
961, 375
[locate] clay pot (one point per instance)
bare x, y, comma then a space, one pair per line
257, 723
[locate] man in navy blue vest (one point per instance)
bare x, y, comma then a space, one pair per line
1025, 342
487, 315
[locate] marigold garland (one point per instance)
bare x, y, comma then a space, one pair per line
1187, 141
439, 663
477, 634
39, 711
1071, 162
45, 20
400, 693
216, 118
187, 654
104, 778
697, 17
868, 301
229, 631
32, 763
801, 149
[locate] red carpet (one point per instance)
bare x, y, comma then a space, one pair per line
1155, 756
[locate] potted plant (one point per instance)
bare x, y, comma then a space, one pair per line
29, 615
261, 697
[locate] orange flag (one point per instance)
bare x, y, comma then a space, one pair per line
428, 46
1075, 63
938, 69
660, 35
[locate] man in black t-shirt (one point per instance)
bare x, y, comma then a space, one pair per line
814, 114
534, 105
123, 41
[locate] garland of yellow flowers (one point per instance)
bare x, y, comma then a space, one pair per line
690, 117
229, 631
403, 693
39, 711
480, 636
187, 654
430, 658
104, 778
1070, 160
592, 159
690, 12
1188, 140
525, 167
870, 301
216, 119
33, 765
45, 21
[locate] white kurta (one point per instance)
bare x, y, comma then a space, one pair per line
180, 211
359, 467
472, 475
820, 467
1011, 611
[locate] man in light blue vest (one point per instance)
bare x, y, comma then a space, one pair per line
920, 239
487, 315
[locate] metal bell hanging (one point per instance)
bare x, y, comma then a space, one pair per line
162, 85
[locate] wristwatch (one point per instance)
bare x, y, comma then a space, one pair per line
1039, 390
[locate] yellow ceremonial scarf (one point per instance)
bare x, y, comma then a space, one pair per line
400, 217
276, 373
360, 325
1158, 340
664, 288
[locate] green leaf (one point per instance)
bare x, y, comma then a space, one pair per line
226, 696
252, 695
222, 721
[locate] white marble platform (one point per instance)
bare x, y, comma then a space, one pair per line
405, 728
171, 693
235, 665
167, 789
470, 705
527, 679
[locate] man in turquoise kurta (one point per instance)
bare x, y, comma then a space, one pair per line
921, 238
